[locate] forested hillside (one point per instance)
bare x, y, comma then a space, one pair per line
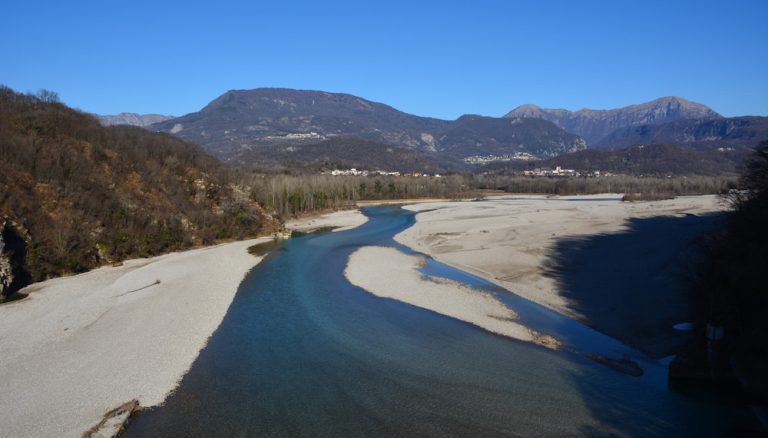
75, 194
653, 159
345, 153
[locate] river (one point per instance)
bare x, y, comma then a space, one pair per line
302, 352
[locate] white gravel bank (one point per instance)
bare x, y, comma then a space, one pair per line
387, 272
506, 240
80, 346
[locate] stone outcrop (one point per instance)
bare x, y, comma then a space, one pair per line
6, 273
13, 251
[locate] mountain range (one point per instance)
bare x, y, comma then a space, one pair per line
595, 125
245, 122
278, 127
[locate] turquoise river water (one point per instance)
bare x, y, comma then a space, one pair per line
302, 352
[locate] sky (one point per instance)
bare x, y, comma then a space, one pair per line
431, 58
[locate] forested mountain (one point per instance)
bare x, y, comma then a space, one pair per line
733, 132
478, 135
348, 152
75, 194
248, 120
132, 119
595, 125
656, 159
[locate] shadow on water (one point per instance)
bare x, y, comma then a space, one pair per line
302, 352
632, 285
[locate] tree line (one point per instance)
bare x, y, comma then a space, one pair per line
288, 195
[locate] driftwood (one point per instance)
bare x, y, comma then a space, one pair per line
114, 421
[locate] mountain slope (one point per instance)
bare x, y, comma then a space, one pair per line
656, 159
349, 152
246, 119
132, 119
737, 132
75, 195
240, 121
483, 136
595, 125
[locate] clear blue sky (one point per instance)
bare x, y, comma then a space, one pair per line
432, 58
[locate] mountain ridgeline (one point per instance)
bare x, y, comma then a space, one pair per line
285, 128
244, 123
595, 125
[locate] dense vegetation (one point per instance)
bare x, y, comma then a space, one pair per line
732, 289
82, 195
287, 195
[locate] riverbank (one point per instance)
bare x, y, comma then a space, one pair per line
337, 220
513, 242
80, 346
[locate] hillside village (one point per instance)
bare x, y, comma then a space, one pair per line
356, 172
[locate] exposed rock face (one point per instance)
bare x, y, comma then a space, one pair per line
595, 125
13, 252
132, 119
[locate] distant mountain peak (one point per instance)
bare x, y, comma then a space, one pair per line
595, 124
527, 107
676, 103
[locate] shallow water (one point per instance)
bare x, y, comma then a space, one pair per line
301, 352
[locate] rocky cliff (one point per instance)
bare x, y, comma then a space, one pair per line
132, 119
